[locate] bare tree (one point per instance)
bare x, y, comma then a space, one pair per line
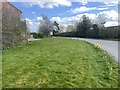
62, 28
70, 28
45, 26
101, 21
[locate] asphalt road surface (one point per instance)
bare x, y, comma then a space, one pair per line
110, 46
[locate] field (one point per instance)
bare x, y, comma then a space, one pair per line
58, 63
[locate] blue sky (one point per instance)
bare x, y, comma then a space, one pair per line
67, 11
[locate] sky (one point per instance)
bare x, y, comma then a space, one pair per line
67, 12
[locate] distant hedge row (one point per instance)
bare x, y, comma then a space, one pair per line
37, 35
110, 32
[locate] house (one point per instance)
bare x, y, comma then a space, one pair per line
14, 31
0, 26
114, 27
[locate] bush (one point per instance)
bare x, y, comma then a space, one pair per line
40, 35
37, 35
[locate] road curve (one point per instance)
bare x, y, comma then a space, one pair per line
110, 46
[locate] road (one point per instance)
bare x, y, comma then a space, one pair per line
110, 46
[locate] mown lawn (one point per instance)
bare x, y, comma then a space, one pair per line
58, 63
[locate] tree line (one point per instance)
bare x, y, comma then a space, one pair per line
86, 29
83, 29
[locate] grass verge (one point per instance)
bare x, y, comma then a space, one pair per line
58, 63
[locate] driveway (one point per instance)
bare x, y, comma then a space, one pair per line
33, 39
110, 46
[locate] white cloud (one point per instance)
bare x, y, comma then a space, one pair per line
38, 18
47, 3
82, 1
85, 9
57, 3
71, 20
33, 13
58, 19
29, 22
32, 24
81, 9
107, 2
111, 17
102, 8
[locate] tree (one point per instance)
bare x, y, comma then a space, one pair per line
96, 30
70, 28
45, 26
56, 24
62, 28
83, 26
101, 20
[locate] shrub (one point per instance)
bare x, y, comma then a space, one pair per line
37, 35
40, 35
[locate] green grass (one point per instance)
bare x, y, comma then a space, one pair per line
58, 63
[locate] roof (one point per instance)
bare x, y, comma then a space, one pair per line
12, 5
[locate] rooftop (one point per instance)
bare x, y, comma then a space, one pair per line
11, 5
